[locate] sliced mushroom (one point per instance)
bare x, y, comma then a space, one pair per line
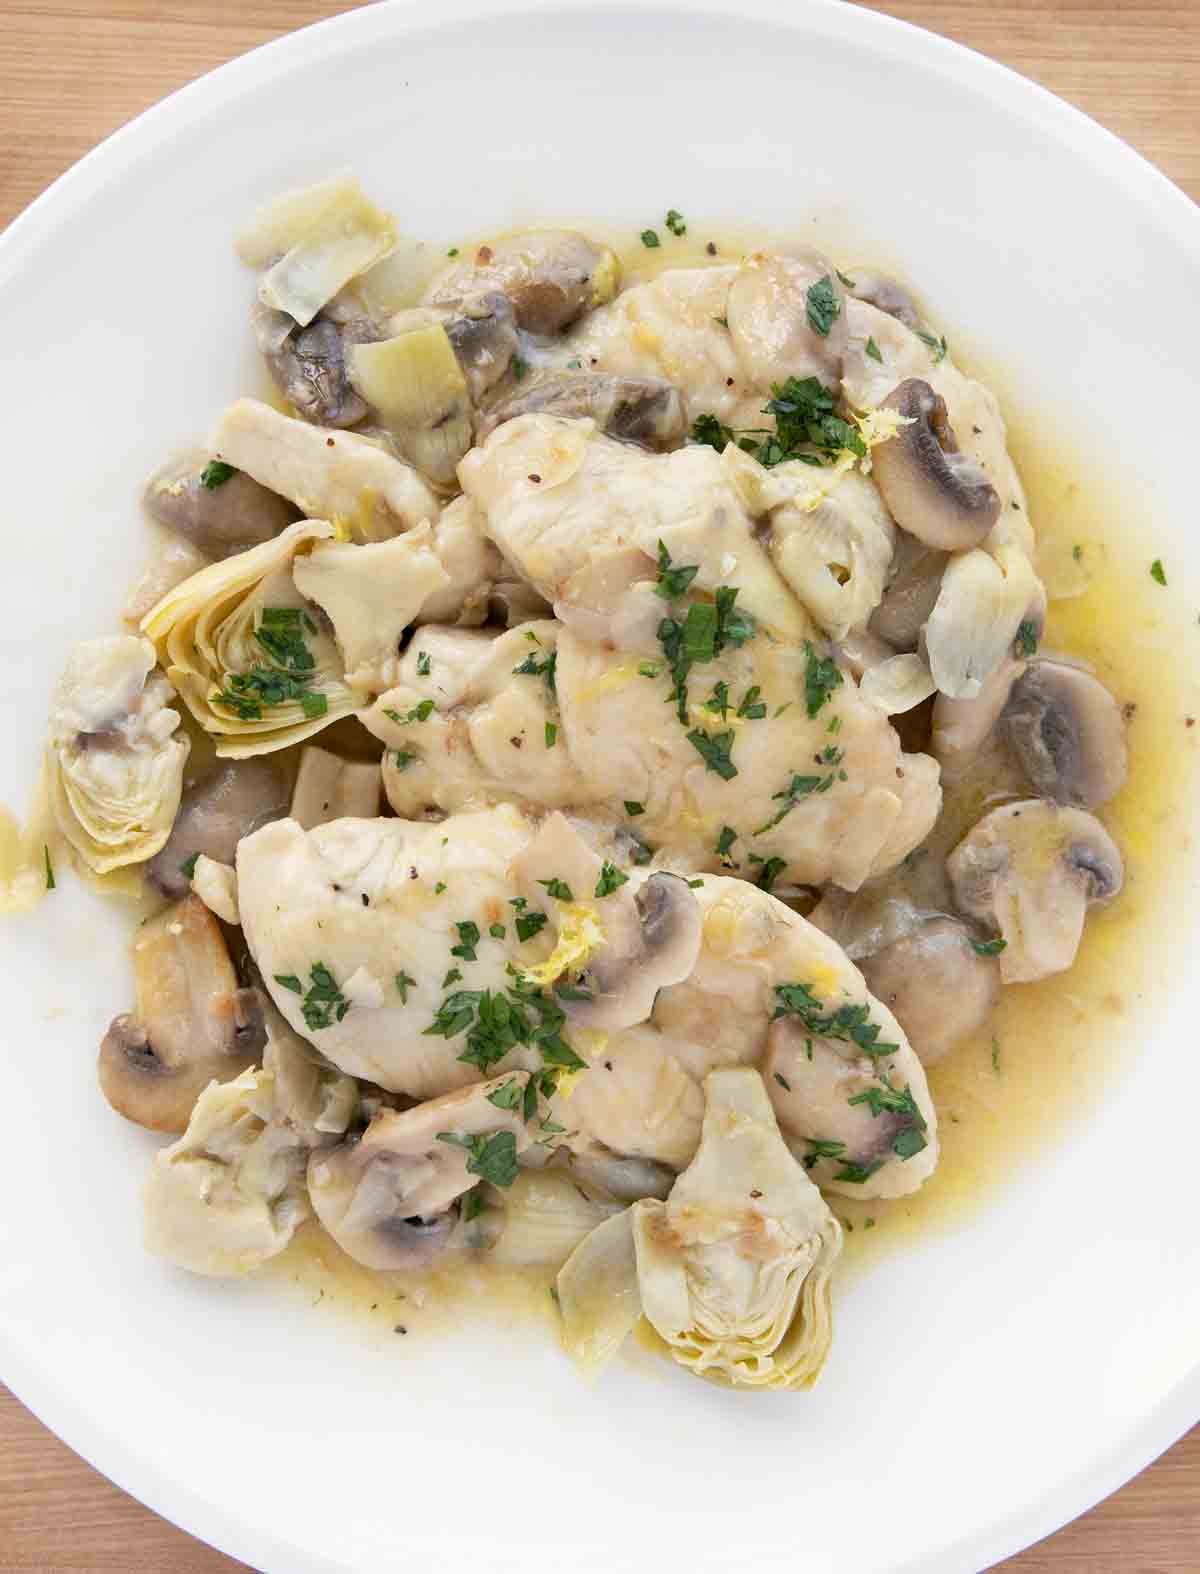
787, 318
625, 1178
192, 1023
214, 816
962, 727
550, 276
483, 333
936, 983
1066, 730
934, 492
653, 941
386, 1197
1029, 871
642, 410
330, 788
910, 594
219, 517
309, 364
886, 295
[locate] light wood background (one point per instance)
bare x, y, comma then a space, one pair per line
71, 71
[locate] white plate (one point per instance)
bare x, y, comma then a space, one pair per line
986, 1385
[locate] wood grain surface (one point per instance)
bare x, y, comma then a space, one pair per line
71, 71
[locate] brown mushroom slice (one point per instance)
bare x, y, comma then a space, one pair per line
330, 788
1029, 871
386, 1197
483, 334
910, 594
936, 984
642, 410
787, 318
961, 728
642, 936
192, 1023
1066, 730
886, 295
933, 491
221, 515
214, 815
308, 364
550, 276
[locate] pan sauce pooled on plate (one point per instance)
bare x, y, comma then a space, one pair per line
565, 881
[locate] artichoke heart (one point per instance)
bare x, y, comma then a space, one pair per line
114, 763
734, 1267
245, 653
415, 383
328, 234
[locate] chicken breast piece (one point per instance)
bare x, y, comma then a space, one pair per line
809, 799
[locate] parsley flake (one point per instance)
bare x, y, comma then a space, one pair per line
404, 982
824, 308
633, 808
492, 1158
675, 222
1157, 572
558, 889
715, 750
873, 351
822, 676
215, 473
423, 664
672, 582
611, 879
650, 240
988, 947
323, 1003
468, 939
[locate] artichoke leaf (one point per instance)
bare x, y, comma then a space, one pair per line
598, 1294
115, 761
734, 1267
244, 652
417, 387
332, 233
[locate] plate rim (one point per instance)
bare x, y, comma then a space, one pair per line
220, 1525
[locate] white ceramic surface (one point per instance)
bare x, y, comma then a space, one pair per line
985, 1386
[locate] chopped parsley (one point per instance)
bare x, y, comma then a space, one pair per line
519, 367
806, 427
752, 708
497, 931
988, 947
1157, 572
715, 750
510, 1096
323, 1002
936, 346
718, 701
245, 693
535, 666
529, 924
421, 712
995, 1054
279, 634
215, 473
403, 758
650, 239
423, 664
551, 734
675, 222
783, 1082
824, 308
672, 582
1026, 641
187, 868
858, 1174
633, 808
50, 866
821, 676
495, 1022
611, 879
493, 1158
724, 843
454, 976
705, 632
439, 888
452, 251
468, 939
770, 872
873, 351
403, 984
799, 787
910, 1139
822, 1148
558, 889
849, 1023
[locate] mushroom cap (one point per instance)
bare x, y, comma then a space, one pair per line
483, 334
910, 594
192, 1023
1066, 729
886, 295
647, 411
309, 365
938, 987
220, 520
550, 276
655, 945
1029, 871
933, 491
213, 817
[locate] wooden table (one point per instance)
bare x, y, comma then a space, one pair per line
73, 70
